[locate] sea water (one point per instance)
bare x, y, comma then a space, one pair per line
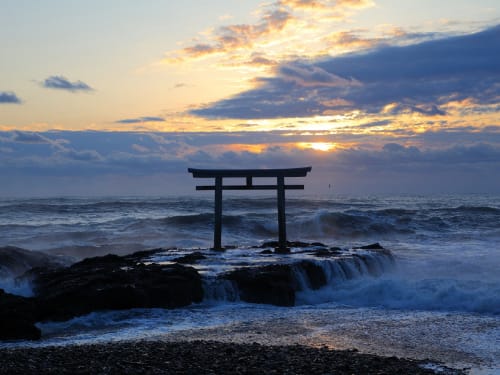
441, 299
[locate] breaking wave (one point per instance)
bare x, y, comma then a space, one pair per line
392, 292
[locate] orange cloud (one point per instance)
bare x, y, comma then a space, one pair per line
356, 3
290, 15
322, 4
350, 40
232, 37
260, 59
303, 3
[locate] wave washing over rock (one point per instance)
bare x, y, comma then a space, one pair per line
155, 279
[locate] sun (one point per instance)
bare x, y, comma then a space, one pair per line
318, 146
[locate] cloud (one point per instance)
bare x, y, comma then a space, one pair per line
326, 4
351, 40
417, 78
425, 109
394, 156
62, 83
30, 137
373, 124
7, 97
138, 120
232, 37
83, 155
447, 161
303, 3
259, 59
313, 76
292, 16
140, 148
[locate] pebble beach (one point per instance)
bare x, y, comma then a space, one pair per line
203, 357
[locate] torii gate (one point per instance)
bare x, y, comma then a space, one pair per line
249, 174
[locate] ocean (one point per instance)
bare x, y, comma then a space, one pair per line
439, 300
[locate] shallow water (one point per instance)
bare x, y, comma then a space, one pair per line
456, 339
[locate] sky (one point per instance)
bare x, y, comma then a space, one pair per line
122, 96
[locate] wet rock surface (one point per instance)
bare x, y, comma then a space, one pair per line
18, 316
112, 282
202, 357
276, 284
115, 282
290, 244
190, 258
272, 284
14, 261
373, 246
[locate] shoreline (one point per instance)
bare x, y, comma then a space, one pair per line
204, 357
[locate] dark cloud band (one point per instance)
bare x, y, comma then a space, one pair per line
416, 78
467, 157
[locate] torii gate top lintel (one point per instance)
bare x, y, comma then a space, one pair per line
249, 174
284, 172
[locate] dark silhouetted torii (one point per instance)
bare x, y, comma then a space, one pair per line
249, 174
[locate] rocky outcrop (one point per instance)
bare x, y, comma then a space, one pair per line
190, 258
112, 282
18, 316
289, 244
272, 284
276, 284
314, 275
373, 246
14, 261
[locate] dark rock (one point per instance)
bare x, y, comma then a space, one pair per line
373, 246
279, 250
327, 252
276, 284
139, 256
298, 244
269, 244
221, 250
266, 252
322, 253
275, 244
318, 244
315, 275
112, 282
14, 261
190, 258
17, 317
273, 284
